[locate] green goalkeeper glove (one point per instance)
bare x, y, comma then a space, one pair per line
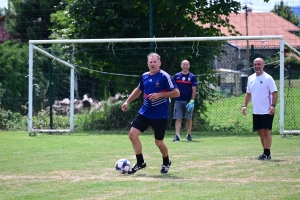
190, 106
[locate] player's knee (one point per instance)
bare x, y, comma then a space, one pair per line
159, 143
133, 135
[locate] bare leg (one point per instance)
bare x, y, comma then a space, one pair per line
178, 126
162, 147
265, 138
261, 135
135, 141
188, 126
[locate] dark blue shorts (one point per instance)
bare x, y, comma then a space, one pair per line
262, 122
158, 125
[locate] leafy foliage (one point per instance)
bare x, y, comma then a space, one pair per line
109, 117
30, 20
13, 72
129, 19
291, 65
285, 11
124, 19
10, 120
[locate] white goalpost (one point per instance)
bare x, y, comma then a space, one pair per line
31, 85
34, 48
283, 131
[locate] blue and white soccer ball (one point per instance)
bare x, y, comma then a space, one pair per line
123, 165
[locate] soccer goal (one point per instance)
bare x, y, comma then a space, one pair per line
70, 78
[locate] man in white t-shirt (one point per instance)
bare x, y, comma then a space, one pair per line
262, 89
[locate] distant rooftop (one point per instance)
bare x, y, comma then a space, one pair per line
263, 23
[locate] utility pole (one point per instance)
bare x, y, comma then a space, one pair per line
248, 61
210, 4
151, 25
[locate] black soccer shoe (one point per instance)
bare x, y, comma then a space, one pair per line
176, 138
136, 167
263, 157
165, 168
188, 137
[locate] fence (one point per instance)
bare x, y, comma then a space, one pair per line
99, 95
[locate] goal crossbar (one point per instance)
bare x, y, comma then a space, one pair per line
166, 39
135, 40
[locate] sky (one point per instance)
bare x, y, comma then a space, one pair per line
3, 3
261, 6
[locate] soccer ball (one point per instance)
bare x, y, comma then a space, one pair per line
123, 165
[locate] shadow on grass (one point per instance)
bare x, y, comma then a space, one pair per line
189, 141
168, 176
275, 160
272, 160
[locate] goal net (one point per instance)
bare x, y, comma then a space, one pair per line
77, 85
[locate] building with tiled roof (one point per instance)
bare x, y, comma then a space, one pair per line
266, 23
260, 23
237, 59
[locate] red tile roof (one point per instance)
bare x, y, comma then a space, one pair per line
266, 23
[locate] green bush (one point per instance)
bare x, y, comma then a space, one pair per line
12, 121
110, 117
219, 93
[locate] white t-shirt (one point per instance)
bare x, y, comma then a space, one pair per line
261, 89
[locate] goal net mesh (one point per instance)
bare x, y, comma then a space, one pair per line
106, 73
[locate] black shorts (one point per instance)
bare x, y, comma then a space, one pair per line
262, 122
142, 123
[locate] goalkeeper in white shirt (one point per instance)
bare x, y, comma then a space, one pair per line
262, 90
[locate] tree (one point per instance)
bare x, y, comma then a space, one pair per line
115, 19
2, 11
13, 55
285, 11
130, 19
30, 20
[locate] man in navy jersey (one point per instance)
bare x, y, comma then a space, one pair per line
184, 104
261, 88
157, 87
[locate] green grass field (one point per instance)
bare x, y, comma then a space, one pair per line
81, 166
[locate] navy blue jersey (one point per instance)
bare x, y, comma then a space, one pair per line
185, 82
159, 82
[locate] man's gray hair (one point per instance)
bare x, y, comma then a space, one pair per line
153, 55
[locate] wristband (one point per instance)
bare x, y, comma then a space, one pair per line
191, 101
274, 105
244, 106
